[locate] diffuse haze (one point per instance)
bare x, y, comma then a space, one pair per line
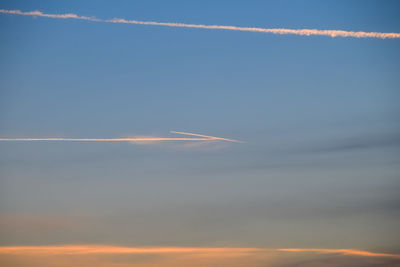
304, 32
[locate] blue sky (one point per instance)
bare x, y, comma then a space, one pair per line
318, 117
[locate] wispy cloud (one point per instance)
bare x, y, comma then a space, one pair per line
105, 249
348, 252
104, 255
281, 31
360, 142
134, 139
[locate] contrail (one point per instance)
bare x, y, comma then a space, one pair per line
135, 139
281, 31
207, 136
108, 139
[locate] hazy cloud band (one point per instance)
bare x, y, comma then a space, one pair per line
348, 252
104, 249
304, 32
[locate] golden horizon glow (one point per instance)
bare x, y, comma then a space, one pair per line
279, 31
228, 251
348, 252
104, 249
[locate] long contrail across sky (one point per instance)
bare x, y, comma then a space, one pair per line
200, 137
281, 31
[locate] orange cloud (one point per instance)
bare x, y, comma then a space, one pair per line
349, 252
103, 249
98, 255
281, 31
103, 255
233, 251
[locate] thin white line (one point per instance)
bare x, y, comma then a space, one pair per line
281, 31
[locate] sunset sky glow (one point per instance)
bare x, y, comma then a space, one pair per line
199, 133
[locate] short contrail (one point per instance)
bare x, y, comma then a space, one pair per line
135, 139
207, 136
304, 32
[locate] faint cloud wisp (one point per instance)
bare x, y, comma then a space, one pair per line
347, 252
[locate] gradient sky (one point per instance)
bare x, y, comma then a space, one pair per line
319, 118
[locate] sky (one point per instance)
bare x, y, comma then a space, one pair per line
315, 170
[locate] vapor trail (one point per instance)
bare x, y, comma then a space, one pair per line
107, 139
135, 139
207, 136
304, 32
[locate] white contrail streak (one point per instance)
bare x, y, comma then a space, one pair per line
304, 32
37, 13
107, 139
206, 136
135, 139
